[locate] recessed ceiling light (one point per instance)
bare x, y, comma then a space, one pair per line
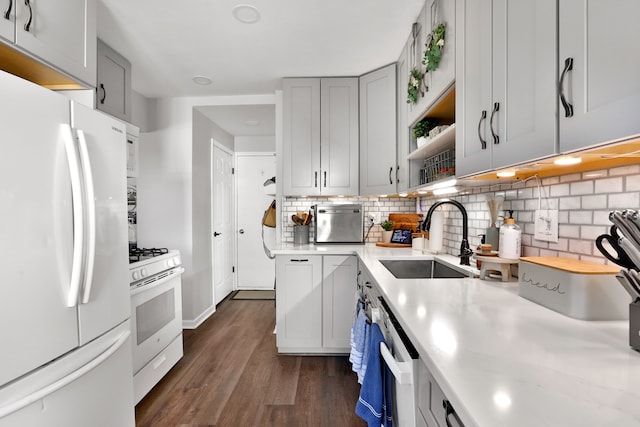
201, 80
252, 123
246, 14
567, 161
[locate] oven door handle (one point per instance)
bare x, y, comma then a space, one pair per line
402, 371
176, 273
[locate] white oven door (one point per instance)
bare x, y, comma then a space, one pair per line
156, 317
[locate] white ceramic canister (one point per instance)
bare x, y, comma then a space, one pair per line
510, 239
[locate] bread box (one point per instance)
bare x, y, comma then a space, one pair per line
578, 289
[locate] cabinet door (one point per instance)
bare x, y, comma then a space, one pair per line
603, 87
402, 147
299, 303
378, 131
473, 86
301, 145
524, 89
61, 34
7, 24
339, 137
114, 83
339, 275
415, 54
442, 11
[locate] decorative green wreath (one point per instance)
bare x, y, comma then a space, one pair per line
435, 47
413, 91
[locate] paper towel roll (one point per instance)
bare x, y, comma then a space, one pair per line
436, 232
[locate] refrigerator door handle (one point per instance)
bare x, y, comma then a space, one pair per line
66, 380
78, 208
91, 215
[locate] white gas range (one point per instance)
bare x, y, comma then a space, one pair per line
156, 315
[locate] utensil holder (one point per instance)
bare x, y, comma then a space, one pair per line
300, 234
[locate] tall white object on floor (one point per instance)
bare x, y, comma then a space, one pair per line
65, 311
436, 232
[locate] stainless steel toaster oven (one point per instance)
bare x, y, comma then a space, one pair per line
339, 224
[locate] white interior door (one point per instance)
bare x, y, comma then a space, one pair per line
255, 269
222, 224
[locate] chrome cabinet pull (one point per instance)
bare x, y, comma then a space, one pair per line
7, 13
496, 108
27, 25
568, 108
390, 171
483, 141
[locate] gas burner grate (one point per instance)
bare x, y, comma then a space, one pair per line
136, 254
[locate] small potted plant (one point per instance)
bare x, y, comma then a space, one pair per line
387, 227
421, 131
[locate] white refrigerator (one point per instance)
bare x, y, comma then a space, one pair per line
66, 357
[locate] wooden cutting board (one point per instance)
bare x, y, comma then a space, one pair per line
393, 245
405, 221
572, 265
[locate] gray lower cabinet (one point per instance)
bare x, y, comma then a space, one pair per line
320, 136
378, 131
114, 83
315, 303
505, 91
434, 409
62, 34
599, 58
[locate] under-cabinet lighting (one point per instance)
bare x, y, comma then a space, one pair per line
422, 191
403, 194
444, 184
506, 173
447, 190
567, 161
382, 195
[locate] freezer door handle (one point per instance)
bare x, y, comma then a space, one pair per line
402, 371
64, 381
78, 209
91, 216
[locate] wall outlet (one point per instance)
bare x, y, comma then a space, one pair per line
374, 217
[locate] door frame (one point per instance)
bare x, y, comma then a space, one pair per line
215, 144
235, 207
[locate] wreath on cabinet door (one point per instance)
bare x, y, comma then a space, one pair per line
415, 81
435, 47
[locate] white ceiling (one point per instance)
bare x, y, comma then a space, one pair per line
169, 42
243, 120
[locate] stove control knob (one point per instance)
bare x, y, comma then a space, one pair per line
171, 262
144, 272
135, 275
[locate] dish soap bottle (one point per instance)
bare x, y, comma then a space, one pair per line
510, 238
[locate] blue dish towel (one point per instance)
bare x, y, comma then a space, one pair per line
358, 333
365, 351
371, 403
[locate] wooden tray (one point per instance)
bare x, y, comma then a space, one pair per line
393, 245
572, 265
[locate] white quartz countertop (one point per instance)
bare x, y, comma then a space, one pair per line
503, 360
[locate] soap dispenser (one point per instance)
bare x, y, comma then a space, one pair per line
510, 238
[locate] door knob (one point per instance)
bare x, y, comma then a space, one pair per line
241, 231
216, 234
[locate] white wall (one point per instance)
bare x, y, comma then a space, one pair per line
174, 195
255, 144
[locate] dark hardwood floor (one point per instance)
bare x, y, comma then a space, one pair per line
232, 376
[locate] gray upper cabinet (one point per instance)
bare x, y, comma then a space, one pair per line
505, 86
320, 148
114, 83
403, 146
378, 131
62, 35
602, 90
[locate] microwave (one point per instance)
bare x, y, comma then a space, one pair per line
338, 224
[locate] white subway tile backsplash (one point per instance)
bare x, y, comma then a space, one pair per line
568, 203
625, 170
590, 232
594, 202
582, 187
627, 200
632, 183
581, 247
580, 217
608, 185
569, 231
570, 177
560, 190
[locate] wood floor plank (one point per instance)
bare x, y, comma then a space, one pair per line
232, 376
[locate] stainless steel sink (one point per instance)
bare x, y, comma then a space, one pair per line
420, 269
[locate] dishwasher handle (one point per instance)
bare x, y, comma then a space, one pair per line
451, 417
402, 371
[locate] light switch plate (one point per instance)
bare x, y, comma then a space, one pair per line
546, 225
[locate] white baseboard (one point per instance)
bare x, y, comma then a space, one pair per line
193, 324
